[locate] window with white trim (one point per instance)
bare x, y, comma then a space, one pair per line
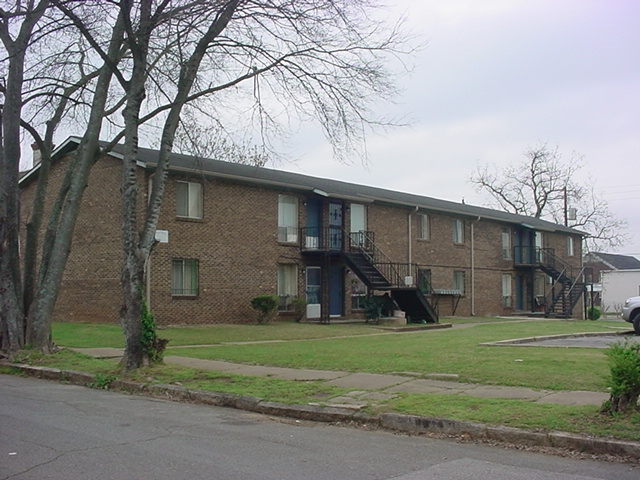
570, 250
358, 292
458, 231
287, 218
287, 284
184, 277
506, 290
506, 244
424, 227
188, 199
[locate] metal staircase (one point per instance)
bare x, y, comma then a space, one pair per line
566, 289
359, 252
377, 272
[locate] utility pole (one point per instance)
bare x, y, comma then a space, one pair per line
566, 210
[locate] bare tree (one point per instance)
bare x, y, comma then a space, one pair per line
269, 64
544, 185
17, 25
51, 75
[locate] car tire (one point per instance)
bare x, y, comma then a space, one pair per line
636, 323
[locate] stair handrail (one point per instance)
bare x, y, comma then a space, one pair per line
567, 268
565, 274
375, 255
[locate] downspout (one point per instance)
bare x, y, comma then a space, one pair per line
473, 268
410, 251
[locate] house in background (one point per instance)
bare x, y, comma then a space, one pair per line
616, 278
230, 232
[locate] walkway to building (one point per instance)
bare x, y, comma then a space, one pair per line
369, 388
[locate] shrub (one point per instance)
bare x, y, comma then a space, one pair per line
594, 313
152, 346
299, 305
624, 358
373, 308
266, 306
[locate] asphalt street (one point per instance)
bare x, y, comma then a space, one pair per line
56, 431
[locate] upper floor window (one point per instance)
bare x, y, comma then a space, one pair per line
358, 218
424, 227
506, 244
189, 199
458, 231
570, 250
287, 218
184, 277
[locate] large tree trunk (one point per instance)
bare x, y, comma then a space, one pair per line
130, 315
60, 234
11, 114
12, 321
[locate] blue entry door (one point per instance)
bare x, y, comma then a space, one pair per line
336, 290
335, 226
520, 292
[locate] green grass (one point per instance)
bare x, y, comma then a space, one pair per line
87, 335
366, 348
521, 414
454, 351
273, 389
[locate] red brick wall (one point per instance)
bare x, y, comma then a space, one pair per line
90, 290
237, 249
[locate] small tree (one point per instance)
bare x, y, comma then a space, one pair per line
266, 306
624, 358
152, 346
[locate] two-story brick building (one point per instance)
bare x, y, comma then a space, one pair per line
229, 232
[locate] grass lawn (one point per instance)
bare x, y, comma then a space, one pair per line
366, 348
456, 351
90, 335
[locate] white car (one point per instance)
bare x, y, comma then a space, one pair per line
631, 312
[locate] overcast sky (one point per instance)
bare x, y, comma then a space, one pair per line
498, 77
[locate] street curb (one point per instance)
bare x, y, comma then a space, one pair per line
391, 421
540, 338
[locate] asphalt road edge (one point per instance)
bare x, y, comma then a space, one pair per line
392, 421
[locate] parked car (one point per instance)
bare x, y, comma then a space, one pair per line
631, 312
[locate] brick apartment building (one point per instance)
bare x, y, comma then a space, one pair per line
230, 232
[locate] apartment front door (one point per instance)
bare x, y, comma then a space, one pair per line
335, 226
336, 290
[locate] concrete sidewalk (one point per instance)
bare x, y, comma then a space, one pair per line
370, 388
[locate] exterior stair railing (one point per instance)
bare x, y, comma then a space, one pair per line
566, 288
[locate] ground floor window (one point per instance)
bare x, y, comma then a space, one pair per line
458, 282
358, 292
184, 277
507, 299
287, 284
424, 281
